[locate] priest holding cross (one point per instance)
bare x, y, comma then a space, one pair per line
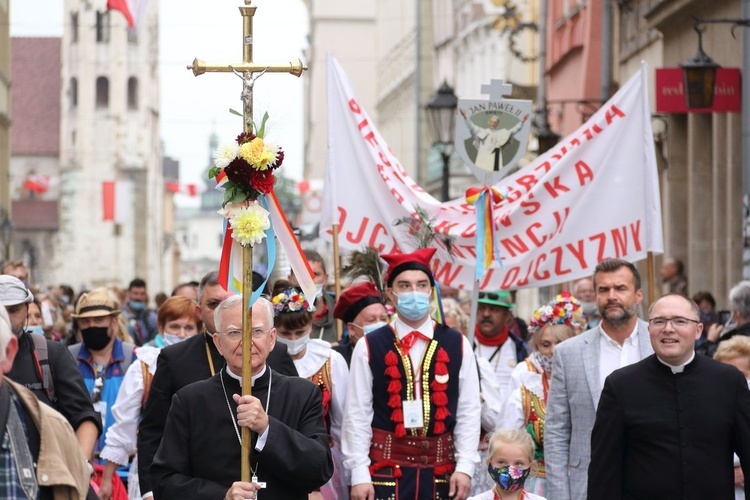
215, 425
200, 451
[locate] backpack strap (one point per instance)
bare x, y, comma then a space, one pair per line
41, 358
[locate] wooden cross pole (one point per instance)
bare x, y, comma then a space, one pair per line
245, 71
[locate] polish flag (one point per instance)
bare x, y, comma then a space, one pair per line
177, 188
131, 9
117, 201
37, 183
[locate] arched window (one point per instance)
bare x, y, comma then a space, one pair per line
132, 93
73, 92
102, 92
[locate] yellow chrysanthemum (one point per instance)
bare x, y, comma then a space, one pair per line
249, 225
258, 154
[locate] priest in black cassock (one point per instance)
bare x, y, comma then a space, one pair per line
666, 426
182, 364
199, 455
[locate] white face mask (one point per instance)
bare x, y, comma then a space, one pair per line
294, 346
171, 339
318, 290
373, 326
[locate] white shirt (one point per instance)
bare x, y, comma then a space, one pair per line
121, 439
316, 353
357, 433
492, 401
503, 363
613, 355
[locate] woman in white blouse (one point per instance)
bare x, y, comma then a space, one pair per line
177, 320
526, 407
317, 362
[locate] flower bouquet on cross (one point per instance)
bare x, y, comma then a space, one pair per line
244, 169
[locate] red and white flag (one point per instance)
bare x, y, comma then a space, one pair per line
117, 201
131, 9
186, 189
39, 184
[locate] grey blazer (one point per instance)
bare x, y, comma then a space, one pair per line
571, 411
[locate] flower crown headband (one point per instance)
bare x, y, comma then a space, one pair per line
562, 310
290, 300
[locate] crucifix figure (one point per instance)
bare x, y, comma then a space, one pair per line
249, 71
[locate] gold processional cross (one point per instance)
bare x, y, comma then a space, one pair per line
245, 71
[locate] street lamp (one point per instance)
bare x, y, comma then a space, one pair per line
700, 70
441, 118
700, 76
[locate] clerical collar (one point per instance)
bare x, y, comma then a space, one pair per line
238, 378
678, 368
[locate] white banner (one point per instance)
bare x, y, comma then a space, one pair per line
593, 196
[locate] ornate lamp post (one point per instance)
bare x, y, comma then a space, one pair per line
441, 117
700, 70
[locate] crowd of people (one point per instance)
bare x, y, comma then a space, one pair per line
103, 396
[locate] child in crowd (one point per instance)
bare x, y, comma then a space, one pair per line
509, 459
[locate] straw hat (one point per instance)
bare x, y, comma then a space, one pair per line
96, 303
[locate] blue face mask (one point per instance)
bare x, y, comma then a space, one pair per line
137, 305
36, 330
373, 326
413, 305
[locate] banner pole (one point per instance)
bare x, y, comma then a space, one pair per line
337, 277
651, 281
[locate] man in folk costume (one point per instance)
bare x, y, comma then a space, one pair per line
199, 455
412, 417
493, 339
362, 311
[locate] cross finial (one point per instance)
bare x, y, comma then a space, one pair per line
497, 89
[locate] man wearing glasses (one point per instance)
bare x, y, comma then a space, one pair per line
182, 364
579, 367
199, 455
666, 427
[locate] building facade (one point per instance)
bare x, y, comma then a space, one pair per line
111, 187
35, 153
5, 82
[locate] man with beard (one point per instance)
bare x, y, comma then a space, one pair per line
580, 366
47, 369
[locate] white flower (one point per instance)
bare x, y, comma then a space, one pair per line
230, 210
249, 224
224, 154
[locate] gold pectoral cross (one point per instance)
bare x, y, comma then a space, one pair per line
246, 70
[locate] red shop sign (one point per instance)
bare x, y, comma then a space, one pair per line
670, 92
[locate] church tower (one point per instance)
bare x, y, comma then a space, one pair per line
111, 190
